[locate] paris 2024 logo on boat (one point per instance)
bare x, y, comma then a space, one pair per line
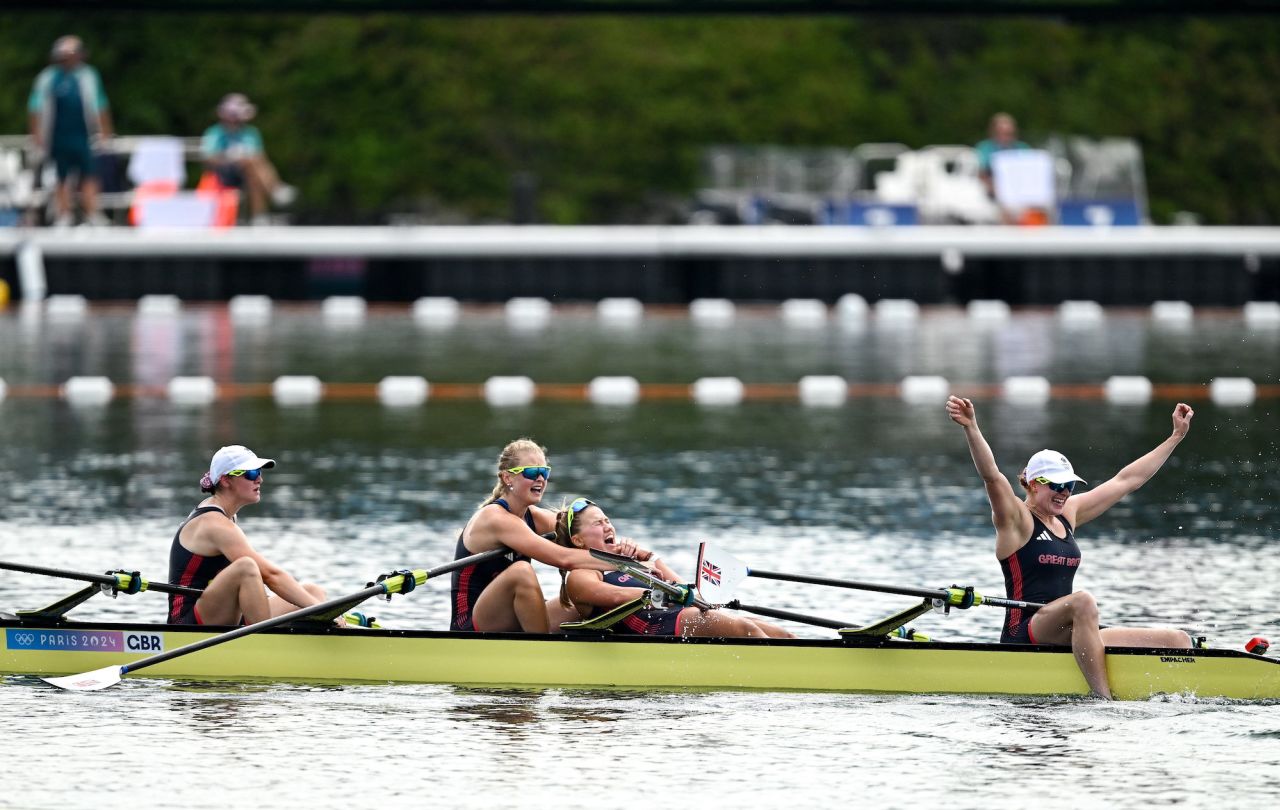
85, 640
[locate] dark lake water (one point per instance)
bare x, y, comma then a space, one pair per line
876, 489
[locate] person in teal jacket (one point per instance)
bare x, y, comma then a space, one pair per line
1002, 134
233, 151
68, 111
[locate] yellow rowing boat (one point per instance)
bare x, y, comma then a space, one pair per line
596, 659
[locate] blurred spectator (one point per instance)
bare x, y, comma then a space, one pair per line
234, 153
1002, 134
68, 111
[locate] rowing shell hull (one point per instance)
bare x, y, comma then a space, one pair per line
593, 661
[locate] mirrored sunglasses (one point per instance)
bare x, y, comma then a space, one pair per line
574, 508
532, 473
1069, 487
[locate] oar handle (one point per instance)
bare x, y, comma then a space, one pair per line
681, 593
390, 585
949, 595
995, 601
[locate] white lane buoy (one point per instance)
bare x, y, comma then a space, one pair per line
896, 312
711, 312
291, 390
528, 314
88, 391
620, 312
1026, 390
403, 392
1128, 390
249, 309
851, 309
1262, 314
344, 310
66, 307
436, 312
823, 391
1233, 391
952, 261
988, 311
717, 391
1172, 314
4, 389
614, 391
192, 390
1080, 314
505, 392
803, 313
159, 306
924, 389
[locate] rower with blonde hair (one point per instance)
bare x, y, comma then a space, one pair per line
503, 594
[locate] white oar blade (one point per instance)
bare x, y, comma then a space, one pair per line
719, 573
88, 681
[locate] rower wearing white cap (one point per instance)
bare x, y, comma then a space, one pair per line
1036, 546
210, 552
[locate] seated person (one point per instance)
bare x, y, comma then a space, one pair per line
211, 553
583, 524
234, 153
503, 594
1002, 135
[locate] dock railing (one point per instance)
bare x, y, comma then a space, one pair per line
27, 180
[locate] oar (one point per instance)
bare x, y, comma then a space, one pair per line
686, 596
121, 580
396, 583
718, 570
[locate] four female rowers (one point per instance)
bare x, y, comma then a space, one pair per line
1036, 545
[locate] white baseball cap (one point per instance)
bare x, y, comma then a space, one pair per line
236, 457
237, 107
1052, 465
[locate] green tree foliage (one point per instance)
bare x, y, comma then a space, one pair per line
371, 115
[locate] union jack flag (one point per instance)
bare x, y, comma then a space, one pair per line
711, 573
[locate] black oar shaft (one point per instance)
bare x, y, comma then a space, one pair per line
924, 593
99, 579
357, 597
773, 613
901, 590
637, 570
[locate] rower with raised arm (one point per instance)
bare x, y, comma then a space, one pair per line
503, 594
212, 553
1036, 545
584, 525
